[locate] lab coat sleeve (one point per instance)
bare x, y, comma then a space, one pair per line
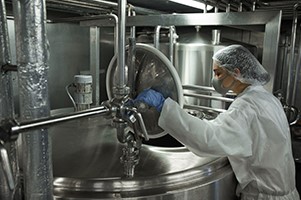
227, 135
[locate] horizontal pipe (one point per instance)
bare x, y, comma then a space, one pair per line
197, 87
203, 88
215, 110
28, 125
202, 96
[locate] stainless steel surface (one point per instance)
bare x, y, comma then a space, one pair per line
94, 63
291, 67
89, 168
120, 81
131, 59
47, 121
6, 107
193, 62
204, 108
198, 87
172, 39
294, 64
269, 20
32, 57
154, 70
201, 96
8, 173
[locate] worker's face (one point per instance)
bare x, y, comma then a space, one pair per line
222, 73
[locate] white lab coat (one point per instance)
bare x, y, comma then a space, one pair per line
253, 133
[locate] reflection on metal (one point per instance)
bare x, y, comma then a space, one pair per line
6, 108
32, 57
216, 37
209, 97
202, 108
193, 62
120, 86
294, 65
269, 20
95, 63
172, 40
153, 70
13, 127
5, 163
90, 168
95, 51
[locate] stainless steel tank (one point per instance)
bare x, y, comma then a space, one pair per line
193, 60
86, 153
86, 164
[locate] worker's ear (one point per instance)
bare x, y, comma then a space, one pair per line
236, 72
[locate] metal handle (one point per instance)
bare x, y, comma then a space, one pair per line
7, 168
295, 114
138, 116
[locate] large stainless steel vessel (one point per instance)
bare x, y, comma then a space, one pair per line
86, 153
86, 161
193, 60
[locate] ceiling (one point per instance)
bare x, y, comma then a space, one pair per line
92, 7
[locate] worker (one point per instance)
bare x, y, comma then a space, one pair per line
253, 132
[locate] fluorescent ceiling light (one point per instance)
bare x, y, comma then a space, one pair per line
192, 3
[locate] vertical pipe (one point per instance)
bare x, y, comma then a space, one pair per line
291, 71
157, 37
131, 65
132, 55
254, 6
6, 99
32, 57
205, 8
228, 8
172, 33
240, 7
131, 12
6, 94
121, 44
215, 9
216, 36
115, 32
95, 63
297, 74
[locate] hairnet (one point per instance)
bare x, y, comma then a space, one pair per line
237, 56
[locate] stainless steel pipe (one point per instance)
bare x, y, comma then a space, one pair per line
121, 83
291, 69
34, 124
202, 96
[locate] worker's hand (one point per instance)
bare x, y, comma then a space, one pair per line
151, 98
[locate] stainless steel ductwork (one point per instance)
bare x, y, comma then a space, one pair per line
32, 57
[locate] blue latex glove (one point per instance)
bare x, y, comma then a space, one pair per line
151, 98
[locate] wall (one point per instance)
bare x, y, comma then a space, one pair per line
69, 55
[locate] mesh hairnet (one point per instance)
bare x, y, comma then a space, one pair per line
237, 56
